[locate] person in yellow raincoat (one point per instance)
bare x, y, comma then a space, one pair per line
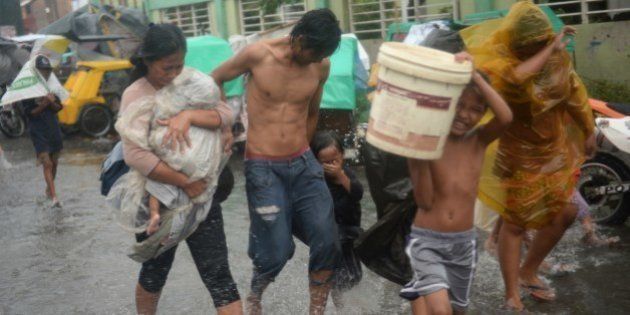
530, 180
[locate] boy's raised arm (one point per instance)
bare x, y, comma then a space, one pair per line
502, 112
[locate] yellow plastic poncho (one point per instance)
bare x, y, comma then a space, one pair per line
529, 175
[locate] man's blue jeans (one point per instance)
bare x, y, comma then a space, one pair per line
289, 197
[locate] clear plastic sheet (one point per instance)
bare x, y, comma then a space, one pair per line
203, 160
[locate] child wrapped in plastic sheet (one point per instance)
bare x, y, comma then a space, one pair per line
165, 211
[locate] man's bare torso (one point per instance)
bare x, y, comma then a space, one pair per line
447, 188
278, 96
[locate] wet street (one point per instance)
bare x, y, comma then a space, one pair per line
72, 260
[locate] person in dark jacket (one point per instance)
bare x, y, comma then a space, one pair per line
44, 130
346, 192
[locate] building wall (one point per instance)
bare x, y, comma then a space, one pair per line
602, 51
124, 3
11, 15
44, 12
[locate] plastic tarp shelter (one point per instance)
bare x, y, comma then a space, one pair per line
93, 21
340, 89
398, 31
206, 53
556, 22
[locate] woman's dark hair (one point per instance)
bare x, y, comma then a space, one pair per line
319, 30
324, 139
161, 40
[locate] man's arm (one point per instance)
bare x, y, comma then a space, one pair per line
55, 102
237, 65
313, 106
502, 112
42, 104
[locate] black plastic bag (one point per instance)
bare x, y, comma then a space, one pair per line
388, 177
349, 272
382, 247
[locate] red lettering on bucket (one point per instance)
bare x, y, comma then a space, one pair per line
413, 141
422, 100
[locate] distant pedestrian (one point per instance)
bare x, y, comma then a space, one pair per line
44, 130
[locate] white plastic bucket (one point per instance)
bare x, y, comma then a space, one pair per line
415, 103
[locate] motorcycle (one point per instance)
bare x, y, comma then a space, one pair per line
605, 179
12, 119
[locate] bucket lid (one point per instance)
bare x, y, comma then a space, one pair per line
425, 57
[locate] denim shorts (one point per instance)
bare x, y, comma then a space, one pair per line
286, 198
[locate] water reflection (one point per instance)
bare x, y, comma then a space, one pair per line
72, 261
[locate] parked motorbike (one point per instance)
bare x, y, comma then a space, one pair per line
12, 120
605, 180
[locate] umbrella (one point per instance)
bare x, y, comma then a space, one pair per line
51, 46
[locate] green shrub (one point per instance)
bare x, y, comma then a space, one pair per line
608, 91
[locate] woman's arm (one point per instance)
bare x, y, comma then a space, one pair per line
149, 165
165, 174
535, 64
178, 126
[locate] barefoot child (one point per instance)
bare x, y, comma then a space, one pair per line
346, 192
442, 245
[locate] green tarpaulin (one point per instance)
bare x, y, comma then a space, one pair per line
206, 53
339, 91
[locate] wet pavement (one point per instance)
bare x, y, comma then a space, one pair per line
72, 260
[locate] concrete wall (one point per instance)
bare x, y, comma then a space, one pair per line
44, 12
602, 51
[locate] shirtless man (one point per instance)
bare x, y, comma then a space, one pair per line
442, 248
285, 186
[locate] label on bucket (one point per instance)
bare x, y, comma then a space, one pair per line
421, 100
409, 123
393, 117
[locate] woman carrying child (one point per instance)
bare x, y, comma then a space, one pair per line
160, 62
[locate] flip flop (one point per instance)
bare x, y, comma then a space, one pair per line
540, 293
508, 306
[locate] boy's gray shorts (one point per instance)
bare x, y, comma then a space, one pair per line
441, 261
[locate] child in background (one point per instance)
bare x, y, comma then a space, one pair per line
346, 192
442, 247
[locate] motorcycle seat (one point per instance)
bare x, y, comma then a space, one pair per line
623, 108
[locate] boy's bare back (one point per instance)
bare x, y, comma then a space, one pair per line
281, 96
445, 190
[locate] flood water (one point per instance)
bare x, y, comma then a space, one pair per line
72, 260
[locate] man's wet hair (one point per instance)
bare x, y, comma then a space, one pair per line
324, 139
319, 30
160, 40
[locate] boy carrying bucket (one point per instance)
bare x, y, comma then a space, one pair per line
442, 245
